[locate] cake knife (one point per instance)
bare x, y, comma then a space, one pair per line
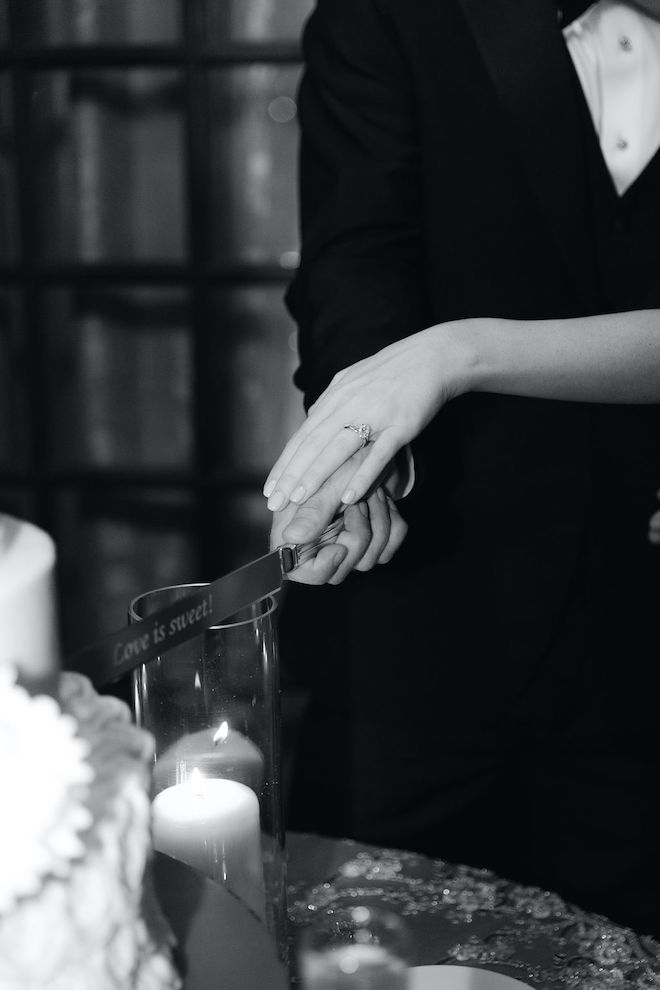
120, 652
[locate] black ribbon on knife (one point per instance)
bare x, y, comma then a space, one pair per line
120, 652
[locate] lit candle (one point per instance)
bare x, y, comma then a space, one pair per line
28, 624
353, 967
213, 825
221, 752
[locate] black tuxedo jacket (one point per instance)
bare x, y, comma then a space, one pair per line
447, 171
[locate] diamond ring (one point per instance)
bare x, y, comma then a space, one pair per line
363, 431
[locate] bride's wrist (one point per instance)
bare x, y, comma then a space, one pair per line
460, 352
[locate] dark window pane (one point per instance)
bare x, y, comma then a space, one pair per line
4, 23
61, 22
252, 357
253, 159
8, 192
108, 153
13, 384
16, 502
255, 20
112, 549
242, 530
120, 364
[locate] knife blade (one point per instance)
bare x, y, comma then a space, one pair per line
120, 652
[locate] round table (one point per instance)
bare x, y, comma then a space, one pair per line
458, 915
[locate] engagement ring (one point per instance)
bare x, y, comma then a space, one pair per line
363, 431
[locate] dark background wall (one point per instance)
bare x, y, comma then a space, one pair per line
147, 233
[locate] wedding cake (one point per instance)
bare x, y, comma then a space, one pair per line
28, 624
76, 907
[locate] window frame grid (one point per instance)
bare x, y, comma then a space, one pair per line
40, 483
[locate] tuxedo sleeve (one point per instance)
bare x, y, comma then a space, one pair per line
360, 282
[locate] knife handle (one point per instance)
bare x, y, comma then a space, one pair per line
293, 554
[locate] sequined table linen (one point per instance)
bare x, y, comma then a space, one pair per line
459, 915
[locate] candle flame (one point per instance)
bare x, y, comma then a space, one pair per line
222, 733
198, 683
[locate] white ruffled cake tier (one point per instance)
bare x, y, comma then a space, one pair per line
83, 914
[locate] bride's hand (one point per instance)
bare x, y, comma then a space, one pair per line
396, 392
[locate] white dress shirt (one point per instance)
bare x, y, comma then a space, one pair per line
616, 54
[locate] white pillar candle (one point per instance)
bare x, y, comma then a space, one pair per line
353, 967
213, 825
28, 622
215, 752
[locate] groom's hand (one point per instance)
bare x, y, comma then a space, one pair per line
373, 530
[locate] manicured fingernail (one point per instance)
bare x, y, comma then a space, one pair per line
276, 501
381, 495
297, 494
348, 497
269, 488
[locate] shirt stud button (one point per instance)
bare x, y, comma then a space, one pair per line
625, 44
621, 144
